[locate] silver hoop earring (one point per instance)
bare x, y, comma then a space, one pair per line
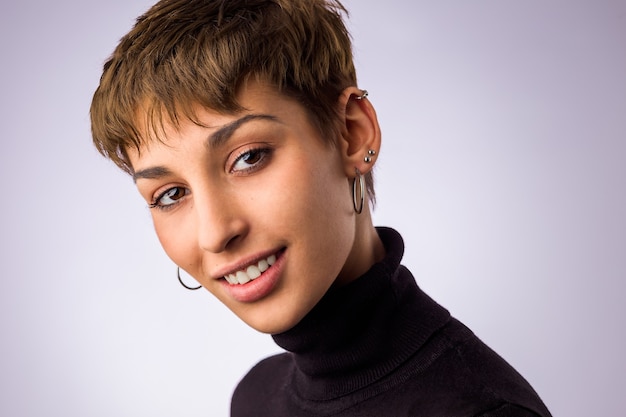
183, 284
358, 205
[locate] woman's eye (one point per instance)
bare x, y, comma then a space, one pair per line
169, 197
250, 160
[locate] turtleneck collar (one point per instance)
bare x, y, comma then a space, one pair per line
361, 332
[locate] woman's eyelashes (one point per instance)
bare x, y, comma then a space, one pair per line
250, 160
168, 198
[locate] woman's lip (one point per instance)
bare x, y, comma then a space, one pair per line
244, 263
260, 287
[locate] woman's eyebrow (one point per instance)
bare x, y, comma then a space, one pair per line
151, 173
220, 136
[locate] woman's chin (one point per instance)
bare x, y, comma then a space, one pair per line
273, 324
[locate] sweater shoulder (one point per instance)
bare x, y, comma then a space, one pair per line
256, 391
510, 410
467, 376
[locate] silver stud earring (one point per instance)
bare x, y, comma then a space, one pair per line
368, 158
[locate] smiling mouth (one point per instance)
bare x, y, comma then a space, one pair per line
251, 272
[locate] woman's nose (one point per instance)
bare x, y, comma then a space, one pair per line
221, 223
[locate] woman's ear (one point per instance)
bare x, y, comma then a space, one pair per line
360, 132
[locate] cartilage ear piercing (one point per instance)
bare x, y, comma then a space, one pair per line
363, 95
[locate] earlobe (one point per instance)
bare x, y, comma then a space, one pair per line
360, 133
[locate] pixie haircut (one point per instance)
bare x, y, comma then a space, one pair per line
184, 53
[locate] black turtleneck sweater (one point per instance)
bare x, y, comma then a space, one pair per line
379, 346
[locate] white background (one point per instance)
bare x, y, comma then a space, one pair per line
503, 165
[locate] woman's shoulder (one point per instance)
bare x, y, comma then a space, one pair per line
267, 369
261, 386
466, 377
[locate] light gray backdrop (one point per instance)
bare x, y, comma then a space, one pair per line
503, 165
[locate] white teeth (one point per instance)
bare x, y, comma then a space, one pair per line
251, 272
263, 265
242, 277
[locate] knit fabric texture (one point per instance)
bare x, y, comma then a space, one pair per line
380, 346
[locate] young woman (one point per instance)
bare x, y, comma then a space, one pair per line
243, 127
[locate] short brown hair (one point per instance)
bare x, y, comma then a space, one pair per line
186, 52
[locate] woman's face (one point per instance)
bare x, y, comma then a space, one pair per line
256, 207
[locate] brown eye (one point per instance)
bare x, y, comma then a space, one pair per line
252, 157
250, 160
169, 197
174, 193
